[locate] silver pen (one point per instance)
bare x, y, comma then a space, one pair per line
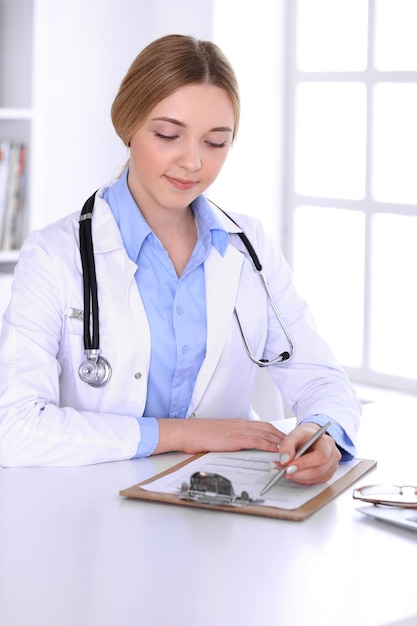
319, 433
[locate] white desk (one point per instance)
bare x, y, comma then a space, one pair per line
74, 553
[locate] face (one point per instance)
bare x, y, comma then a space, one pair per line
180, 148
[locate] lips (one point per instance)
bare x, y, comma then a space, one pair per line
180, 183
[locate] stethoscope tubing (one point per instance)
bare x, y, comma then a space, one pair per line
91, 335
284, 356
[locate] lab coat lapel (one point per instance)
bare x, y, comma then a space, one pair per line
222, 275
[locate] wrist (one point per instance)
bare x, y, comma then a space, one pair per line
173, 434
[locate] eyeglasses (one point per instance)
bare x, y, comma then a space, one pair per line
389, 495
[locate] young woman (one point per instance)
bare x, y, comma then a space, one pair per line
178, 295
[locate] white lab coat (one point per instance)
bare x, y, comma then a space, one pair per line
49, 417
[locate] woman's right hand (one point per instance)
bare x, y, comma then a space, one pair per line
216, 435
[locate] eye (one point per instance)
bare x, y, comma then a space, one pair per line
212, 144
165, 137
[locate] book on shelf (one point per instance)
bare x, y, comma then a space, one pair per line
12, 193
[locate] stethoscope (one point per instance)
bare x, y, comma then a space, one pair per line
96, 370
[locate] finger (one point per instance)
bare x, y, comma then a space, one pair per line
315, 467
263, 430
259, 441
294, 440
238, 434
312, 475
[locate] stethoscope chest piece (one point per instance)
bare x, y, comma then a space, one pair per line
95, 370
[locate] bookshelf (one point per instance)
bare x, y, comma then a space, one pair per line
16, 113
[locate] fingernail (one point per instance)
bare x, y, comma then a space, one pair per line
284, 458
273, 467
291, 469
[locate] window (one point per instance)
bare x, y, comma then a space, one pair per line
351, 197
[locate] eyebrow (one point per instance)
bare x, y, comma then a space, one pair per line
172, 120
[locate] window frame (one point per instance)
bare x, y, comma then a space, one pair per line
368, 205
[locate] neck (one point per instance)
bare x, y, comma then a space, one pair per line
175, 228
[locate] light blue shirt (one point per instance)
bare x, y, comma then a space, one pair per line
175, 306
176, 311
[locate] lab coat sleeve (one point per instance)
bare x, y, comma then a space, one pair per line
34, 428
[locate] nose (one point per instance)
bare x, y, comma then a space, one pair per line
190, 157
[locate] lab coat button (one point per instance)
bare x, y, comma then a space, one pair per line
138, 375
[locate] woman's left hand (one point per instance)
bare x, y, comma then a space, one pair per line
317, 465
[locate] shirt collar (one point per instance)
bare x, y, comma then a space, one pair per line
208, 225
132, 225
134, 228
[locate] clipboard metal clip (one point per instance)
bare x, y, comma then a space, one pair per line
210, 488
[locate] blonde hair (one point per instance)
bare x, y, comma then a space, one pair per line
161, 68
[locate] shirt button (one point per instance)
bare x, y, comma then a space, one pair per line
180, 310
180, 382
185, 349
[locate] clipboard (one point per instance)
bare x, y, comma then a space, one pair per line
298, 514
